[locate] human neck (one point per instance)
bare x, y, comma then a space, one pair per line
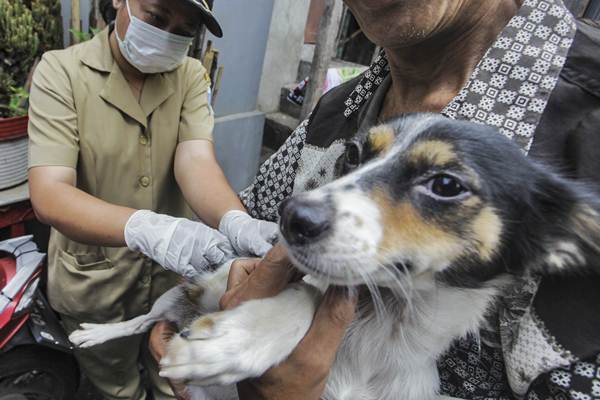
426, 76
131, 74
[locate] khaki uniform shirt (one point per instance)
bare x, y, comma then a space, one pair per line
84, 115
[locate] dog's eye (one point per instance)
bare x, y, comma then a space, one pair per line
352, 157
445, 186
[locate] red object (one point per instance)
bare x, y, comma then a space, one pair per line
9, 323
13, 128
14, 216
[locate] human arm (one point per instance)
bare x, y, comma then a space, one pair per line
53, 158
304, 374
77, 214
202, 180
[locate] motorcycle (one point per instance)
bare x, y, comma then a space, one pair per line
36, 361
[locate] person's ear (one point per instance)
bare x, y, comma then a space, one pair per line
117, 4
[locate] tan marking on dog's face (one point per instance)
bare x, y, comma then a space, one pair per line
381, 138
406, 232
472, 201
487, 231
434, 152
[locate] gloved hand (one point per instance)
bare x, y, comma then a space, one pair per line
178, 244
248, 236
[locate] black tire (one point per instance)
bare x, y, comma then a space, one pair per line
37, 373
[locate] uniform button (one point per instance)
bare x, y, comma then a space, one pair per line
143, 140
145, 181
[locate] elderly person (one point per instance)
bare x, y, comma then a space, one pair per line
525, 67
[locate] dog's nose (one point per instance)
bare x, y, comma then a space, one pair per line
303, 221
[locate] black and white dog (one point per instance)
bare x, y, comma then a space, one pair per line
441, 220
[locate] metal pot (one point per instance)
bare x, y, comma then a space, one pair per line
13, 151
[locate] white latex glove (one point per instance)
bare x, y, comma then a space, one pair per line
178, 244
248, 236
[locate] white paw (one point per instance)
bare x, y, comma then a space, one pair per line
228, 347
92, 335
218, 349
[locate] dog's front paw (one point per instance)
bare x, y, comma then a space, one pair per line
228, 347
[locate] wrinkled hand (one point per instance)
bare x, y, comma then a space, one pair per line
248, 236
178, 244
304, 374
157, 343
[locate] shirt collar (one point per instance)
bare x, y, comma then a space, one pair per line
96, 53
511, 85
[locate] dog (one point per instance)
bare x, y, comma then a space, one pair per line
435, 219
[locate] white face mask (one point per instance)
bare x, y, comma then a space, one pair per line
150, 49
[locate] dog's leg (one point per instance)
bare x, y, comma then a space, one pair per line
163, 309
173, 306
227, 347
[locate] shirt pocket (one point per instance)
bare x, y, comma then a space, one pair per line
86, 261
85, 287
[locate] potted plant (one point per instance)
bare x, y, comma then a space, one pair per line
27, 28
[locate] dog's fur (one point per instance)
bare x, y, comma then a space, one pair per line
435, 226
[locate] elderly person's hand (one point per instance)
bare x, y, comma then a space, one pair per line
304, 374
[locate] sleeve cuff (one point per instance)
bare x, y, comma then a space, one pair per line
40, 156
196, 132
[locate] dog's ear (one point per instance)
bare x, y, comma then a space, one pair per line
380, 139
585, 223
570, 218
364, 147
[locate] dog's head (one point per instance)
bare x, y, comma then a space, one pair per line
442, 199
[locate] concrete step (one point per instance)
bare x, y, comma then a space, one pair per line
278, 127
304, 67
286, 106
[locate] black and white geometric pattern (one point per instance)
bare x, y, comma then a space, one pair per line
368, 84
275, 179
511, 85
473, 370
533, 353
317, 166
578, 381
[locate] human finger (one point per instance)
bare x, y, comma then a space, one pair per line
335, 313
240, 271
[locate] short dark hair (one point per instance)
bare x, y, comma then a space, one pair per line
107, 10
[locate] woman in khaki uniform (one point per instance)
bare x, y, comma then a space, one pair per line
121, 156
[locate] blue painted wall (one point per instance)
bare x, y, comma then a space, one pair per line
242, 51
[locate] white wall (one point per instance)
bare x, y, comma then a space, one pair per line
85, 6
284, 47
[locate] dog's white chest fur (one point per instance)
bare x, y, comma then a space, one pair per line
395, 358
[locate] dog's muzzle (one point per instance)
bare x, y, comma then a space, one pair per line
305, 221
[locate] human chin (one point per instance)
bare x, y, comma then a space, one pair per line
372, 4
